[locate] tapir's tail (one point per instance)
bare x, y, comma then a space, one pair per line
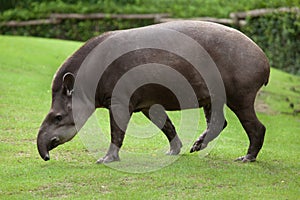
267, 81
267, 73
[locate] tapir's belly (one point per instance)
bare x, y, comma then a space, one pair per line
151, 94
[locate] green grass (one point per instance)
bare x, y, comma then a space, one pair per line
27, 66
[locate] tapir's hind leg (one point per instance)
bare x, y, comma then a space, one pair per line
215, 124
254, 129
163, 122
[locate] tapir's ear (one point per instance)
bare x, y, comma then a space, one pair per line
68, 83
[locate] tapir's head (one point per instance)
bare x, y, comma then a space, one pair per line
58, 127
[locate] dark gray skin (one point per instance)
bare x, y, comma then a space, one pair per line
242, 64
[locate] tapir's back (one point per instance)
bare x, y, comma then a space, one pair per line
236, 56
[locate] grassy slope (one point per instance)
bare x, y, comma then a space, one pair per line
27, 66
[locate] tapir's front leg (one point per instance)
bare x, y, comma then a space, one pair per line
119, 119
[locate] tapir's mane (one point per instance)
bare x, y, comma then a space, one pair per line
73, 63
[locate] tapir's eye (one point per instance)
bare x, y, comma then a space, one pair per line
58, 118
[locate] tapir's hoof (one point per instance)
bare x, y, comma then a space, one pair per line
175, 146
173, 152
245, 159
198, 145
108, 159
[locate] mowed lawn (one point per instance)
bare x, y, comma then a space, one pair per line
27, 66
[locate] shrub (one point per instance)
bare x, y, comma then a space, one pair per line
73, 29
278, 34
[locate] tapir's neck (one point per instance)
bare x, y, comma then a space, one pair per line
73, 63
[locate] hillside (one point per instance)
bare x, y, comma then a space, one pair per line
27, 66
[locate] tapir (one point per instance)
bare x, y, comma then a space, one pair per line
240, 64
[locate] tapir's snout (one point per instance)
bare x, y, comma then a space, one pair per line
49, 137
45, 144
47, 157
